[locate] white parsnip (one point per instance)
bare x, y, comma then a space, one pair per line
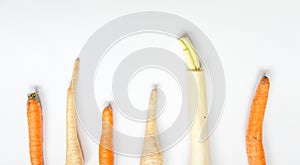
151, 150
73, 151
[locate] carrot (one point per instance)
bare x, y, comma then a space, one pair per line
73, 152
151, 151
106, 154
254, 144
35, 127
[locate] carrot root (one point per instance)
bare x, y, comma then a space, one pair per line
35, 127
255, 150
106, 154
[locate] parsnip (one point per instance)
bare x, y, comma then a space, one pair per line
73, 152
151, 151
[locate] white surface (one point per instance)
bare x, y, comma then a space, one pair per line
40, 40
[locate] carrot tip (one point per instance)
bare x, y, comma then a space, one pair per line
265, 80
33, 96
107, 110
109, 106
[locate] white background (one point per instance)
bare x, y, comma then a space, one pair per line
39, 41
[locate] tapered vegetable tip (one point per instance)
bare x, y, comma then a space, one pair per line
255, 150
33, 96
107, 114
75, 70
266, 80
106, 154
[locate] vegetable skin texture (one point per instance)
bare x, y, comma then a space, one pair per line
255, 150
151, 151
73, 151
106, 153
35, 127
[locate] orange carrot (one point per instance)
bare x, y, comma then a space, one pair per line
35, 127
106, 154
254, 144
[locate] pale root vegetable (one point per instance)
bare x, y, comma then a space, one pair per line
199, 148
35, 127
73, 151
151, 150
106, 153
255, 150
